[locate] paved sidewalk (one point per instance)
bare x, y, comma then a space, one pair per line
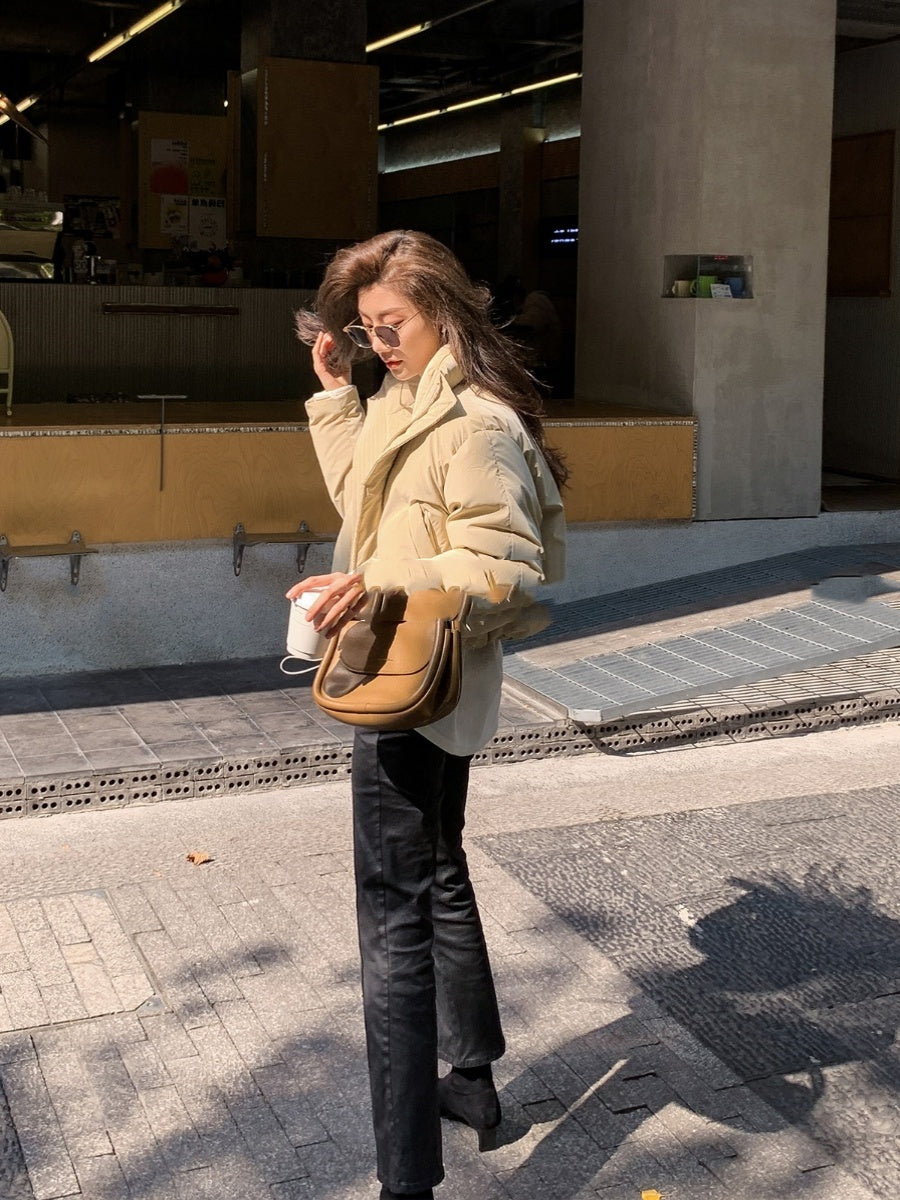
110, 739
192, 1031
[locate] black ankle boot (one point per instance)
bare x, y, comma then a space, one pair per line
473, 1101
387, 1194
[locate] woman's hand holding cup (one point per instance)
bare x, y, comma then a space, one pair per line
340, 594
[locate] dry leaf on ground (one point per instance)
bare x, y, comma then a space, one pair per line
198, 856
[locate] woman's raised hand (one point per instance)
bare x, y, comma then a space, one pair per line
341, 594
322, 347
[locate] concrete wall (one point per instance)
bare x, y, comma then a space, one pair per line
172, 603
862, 360
706, 127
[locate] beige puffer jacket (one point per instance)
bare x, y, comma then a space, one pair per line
438, 486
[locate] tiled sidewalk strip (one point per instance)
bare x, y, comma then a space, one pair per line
606, 686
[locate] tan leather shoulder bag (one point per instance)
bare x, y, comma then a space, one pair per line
397, 664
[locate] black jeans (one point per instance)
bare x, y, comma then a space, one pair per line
427, 985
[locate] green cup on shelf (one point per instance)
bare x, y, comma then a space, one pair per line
702, 286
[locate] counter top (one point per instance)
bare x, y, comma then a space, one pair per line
54, 419
143, 417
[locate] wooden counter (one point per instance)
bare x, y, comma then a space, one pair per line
109, 470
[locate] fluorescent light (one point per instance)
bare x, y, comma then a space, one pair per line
450, 108
5, 102
398, 37
151, 18
474, 103
21, 107
107, 48
434, 112
158, 14
543, 83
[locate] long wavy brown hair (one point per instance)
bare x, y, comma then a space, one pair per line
435, 282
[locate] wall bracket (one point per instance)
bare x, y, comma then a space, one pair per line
303, 538
74, 548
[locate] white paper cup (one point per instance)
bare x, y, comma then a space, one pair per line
303, 639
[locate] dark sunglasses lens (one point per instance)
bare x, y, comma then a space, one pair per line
358, 336
389, 336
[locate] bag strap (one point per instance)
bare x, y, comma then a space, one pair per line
290, 658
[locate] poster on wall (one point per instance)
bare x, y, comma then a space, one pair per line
207, 222
169, 159
182, 158
174, 215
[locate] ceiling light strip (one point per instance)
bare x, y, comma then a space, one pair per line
492, 98
398, 37
414, 30
133, 31
20, 107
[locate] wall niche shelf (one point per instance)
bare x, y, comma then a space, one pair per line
707, 277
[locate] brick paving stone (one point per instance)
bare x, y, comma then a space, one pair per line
293, 1189
266, 1140
251, 1041
136, 913
217, 930
45, 962
12, 955
133, 989
99, 1038
80, 1117
91, 979
26, 914
180, 927
279, 1000
144, 1066
109, 938
140, 1161
100, 1178
278, 917
221, 1059
23, 1000
178, 1140
181, 988
284, 1092
63, 1002
232, 1179
49, 1166
166, 1034
64, 920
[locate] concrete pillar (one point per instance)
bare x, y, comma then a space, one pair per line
333, 32
520, 199
706, 128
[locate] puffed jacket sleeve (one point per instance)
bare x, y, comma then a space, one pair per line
493, 524
335, 421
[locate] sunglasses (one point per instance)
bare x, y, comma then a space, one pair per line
362, 335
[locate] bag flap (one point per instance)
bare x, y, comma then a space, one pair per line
389, 647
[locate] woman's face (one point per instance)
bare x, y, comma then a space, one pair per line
419, 337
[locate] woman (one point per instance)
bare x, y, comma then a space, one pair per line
442, 481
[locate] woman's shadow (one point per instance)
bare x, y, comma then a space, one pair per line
779, 991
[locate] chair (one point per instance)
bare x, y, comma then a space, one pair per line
6, 362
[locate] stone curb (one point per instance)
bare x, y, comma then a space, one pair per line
722, 721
